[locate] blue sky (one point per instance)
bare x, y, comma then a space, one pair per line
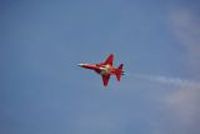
42, 90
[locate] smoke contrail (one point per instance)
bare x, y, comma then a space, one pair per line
170, 81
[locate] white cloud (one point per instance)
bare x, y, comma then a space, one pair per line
185, 25
183, 104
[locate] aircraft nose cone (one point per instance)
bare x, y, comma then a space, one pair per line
80, 65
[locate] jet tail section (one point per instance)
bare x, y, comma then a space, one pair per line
119, 72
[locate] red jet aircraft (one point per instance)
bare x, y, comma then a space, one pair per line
106, 69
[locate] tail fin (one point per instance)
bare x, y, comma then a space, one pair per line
119, 72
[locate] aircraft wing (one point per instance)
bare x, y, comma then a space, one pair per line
105, 79
109, 60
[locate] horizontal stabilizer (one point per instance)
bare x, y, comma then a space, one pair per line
119, 72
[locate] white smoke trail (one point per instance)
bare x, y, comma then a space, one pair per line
169, 81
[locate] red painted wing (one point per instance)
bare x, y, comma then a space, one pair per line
105, 79
109, 60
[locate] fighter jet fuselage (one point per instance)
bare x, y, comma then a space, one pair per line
105, 69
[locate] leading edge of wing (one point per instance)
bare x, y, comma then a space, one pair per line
105, 79
109, 60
